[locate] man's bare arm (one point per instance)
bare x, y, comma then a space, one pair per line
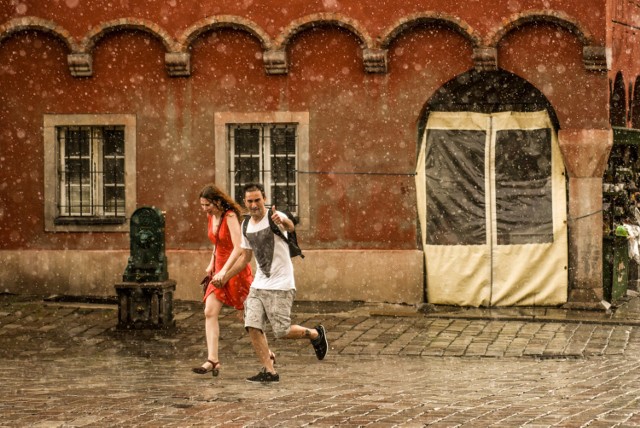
241, 262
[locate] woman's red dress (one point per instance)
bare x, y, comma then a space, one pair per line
235, 291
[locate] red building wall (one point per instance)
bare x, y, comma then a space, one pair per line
362, 122
625, 52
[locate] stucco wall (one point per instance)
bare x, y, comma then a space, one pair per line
362, 124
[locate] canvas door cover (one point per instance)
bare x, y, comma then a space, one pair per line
492, 207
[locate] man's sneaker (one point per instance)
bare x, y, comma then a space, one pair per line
320, 344
264, 377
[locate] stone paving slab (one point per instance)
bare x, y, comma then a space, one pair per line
65, 364
625, 311
353, 330
341, 391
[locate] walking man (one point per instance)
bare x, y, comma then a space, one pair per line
273, 289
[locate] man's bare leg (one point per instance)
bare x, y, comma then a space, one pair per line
261, 347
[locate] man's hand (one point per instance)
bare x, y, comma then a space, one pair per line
275, 216
286, 224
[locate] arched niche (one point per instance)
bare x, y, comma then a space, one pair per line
487, 92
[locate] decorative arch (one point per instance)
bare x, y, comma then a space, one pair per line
27, 23
275, 59
374, 52
487, 92
484, 58
324, 19
179, 62
618, 102
594, 57
553, 17
96, 33
81, 60
429, 18
223, 21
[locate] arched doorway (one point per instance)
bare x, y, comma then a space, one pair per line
492, 194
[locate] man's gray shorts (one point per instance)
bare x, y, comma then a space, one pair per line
273, 306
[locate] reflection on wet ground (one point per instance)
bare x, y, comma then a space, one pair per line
65, 364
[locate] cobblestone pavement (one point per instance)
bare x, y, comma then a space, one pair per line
65, 364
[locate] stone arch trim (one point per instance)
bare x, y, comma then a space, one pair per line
328, 19
594, 56
177, 58
431, 18
178, 62
510, 92
37, 24
484, 58
546, 16
96, 33
80, 61
275, 59
223, 21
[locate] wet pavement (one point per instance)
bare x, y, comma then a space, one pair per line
65, 364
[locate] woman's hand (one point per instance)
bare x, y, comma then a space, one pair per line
217, 279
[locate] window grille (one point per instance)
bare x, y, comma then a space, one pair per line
91, 172
265, 153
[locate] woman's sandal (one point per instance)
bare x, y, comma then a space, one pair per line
215, 368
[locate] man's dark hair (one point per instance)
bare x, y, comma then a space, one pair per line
252, 187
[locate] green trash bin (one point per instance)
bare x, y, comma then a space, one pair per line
615, 267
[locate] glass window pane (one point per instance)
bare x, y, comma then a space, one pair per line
113, 171
247, 141
114, 200
113, 142
455, 187
237, 192
79, 200
78, 171
523, 186
247, 171
283, 140
284, 198
77, 142
283, 170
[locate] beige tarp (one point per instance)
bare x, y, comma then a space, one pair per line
492, 207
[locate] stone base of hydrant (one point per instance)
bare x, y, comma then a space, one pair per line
145, 305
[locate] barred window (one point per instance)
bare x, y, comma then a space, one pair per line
265, 153
91, 172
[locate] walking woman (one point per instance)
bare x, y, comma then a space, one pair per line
223, 229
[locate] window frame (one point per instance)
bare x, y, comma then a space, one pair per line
264, 156
223, 151
54, 222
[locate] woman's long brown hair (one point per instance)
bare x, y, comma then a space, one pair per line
213, 194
